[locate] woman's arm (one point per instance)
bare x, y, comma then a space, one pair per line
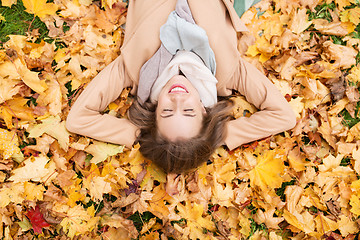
275, 113
85, 116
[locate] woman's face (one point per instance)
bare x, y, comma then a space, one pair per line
179, 111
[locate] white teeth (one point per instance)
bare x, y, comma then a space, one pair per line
178, 89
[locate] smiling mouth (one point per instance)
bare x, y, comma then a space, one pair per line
178, 88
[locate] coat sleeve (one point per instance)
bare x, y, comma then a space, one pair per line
85, 117
274, 116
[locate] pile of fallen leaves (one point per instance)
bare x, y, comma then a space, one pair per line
302, 184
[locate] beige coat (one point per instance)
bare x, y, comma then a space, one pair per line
144, 19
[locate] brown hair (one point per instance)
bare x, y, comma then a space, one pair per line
181, 155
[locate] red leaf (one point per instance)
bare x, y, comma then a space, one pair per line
37, 220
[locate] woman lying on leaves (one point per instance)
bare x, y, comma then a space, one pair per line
177, 78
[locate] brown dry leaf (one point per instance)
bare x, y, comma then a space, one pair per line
354, 133
299, 21
343, 56
330, 28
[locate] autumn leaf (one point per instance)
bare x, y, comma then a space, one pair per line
30, 78
351, 15
8, 3
101, 151
40, 8
37, 220
300, 21
193, 213
9, 144
34, 169
33, 192
78, 221
13, 194
268, 170
54, 127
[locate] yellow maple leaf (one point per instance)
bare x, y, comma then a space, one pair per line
351, 15
35, 169
9, 144
17, 108
101, 151
158, 200
97, 187
33, 192
347, 226
222, 196
40, 8
268, 171
78, 221
355, 204
194, 215
13, 194
74, 193
354, 76
55, 128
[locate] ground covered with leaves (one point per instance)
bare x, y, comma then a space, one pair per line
301, 184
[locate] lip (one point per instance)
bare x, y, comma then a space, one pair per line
179, 86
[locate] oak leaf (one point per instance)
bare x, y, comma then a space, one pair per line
40, 8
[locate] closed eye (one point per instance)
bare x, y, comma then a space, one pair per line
189, 110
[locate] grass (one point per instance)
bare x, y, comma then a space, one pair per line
17, 22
